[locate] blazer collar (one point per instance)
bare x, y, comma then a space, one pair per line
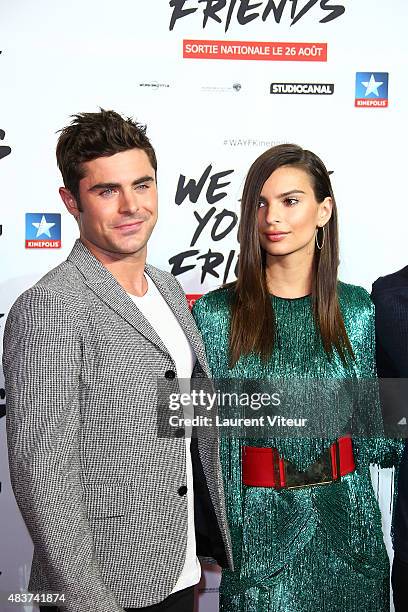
106, 287
181, 312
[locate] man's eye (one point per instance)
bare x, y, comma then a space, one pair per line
106, 193
290, 201
261, 203
142, 187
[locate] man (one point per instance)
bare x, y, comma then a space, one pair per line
390, 296
109, 504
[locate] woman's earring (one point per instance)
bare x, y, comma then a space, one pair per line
321, 245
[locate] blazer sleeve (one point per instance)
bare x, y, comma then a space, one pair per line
377, 448
391, 346
42, 365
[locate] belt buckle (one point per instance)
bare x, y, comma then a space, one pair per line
318, 474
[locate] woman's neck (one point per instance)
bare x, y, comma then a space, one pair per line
289, 276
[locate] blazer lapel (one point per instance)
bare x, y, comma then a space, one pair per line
182, 314
107, 288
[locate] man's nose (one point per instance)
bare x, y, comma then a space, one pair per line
128, 201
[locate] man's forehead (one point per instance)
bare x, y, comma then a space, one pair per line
126, 165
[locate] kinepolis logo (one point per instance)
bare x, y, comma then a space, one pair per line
4, 151
314, 89
371, 89
223, 10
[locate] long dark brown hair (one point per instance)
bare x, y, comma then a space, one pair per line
253, 318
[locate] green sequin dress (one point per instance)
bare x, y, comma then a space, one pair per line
316, 549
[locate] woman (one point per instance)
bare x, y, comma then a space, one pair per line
310, 548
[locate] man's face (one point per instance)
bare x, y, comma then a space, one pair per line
118, 202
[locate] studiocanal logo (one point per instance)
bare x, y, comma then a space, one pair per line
311, 89
43, 231
371, 89
225, 11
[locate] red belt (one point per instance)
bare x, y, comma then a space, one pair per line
263, 467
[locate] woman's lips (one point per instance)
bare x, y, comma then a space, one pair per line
276, 236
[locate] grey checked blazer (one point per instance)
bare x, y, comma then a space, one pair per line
97, 488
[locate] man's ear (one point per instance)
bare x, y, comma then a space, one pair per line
70, 202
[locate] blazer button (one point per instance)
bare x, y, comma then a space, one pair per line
179, 433
170, 374
182, 490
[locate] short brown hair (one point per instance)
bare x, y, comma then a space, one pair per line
93, 135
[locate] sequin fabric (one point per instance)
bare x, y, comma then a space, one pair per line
317, 549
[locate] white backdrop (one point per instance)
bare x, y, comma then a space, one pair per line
58, 58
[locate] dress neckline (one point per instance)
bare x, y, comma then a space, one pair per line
296, 299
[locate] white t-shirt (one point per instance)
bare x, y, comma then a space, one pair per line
160, 316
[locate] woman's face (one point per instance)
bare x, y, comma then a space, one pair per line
289, 214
